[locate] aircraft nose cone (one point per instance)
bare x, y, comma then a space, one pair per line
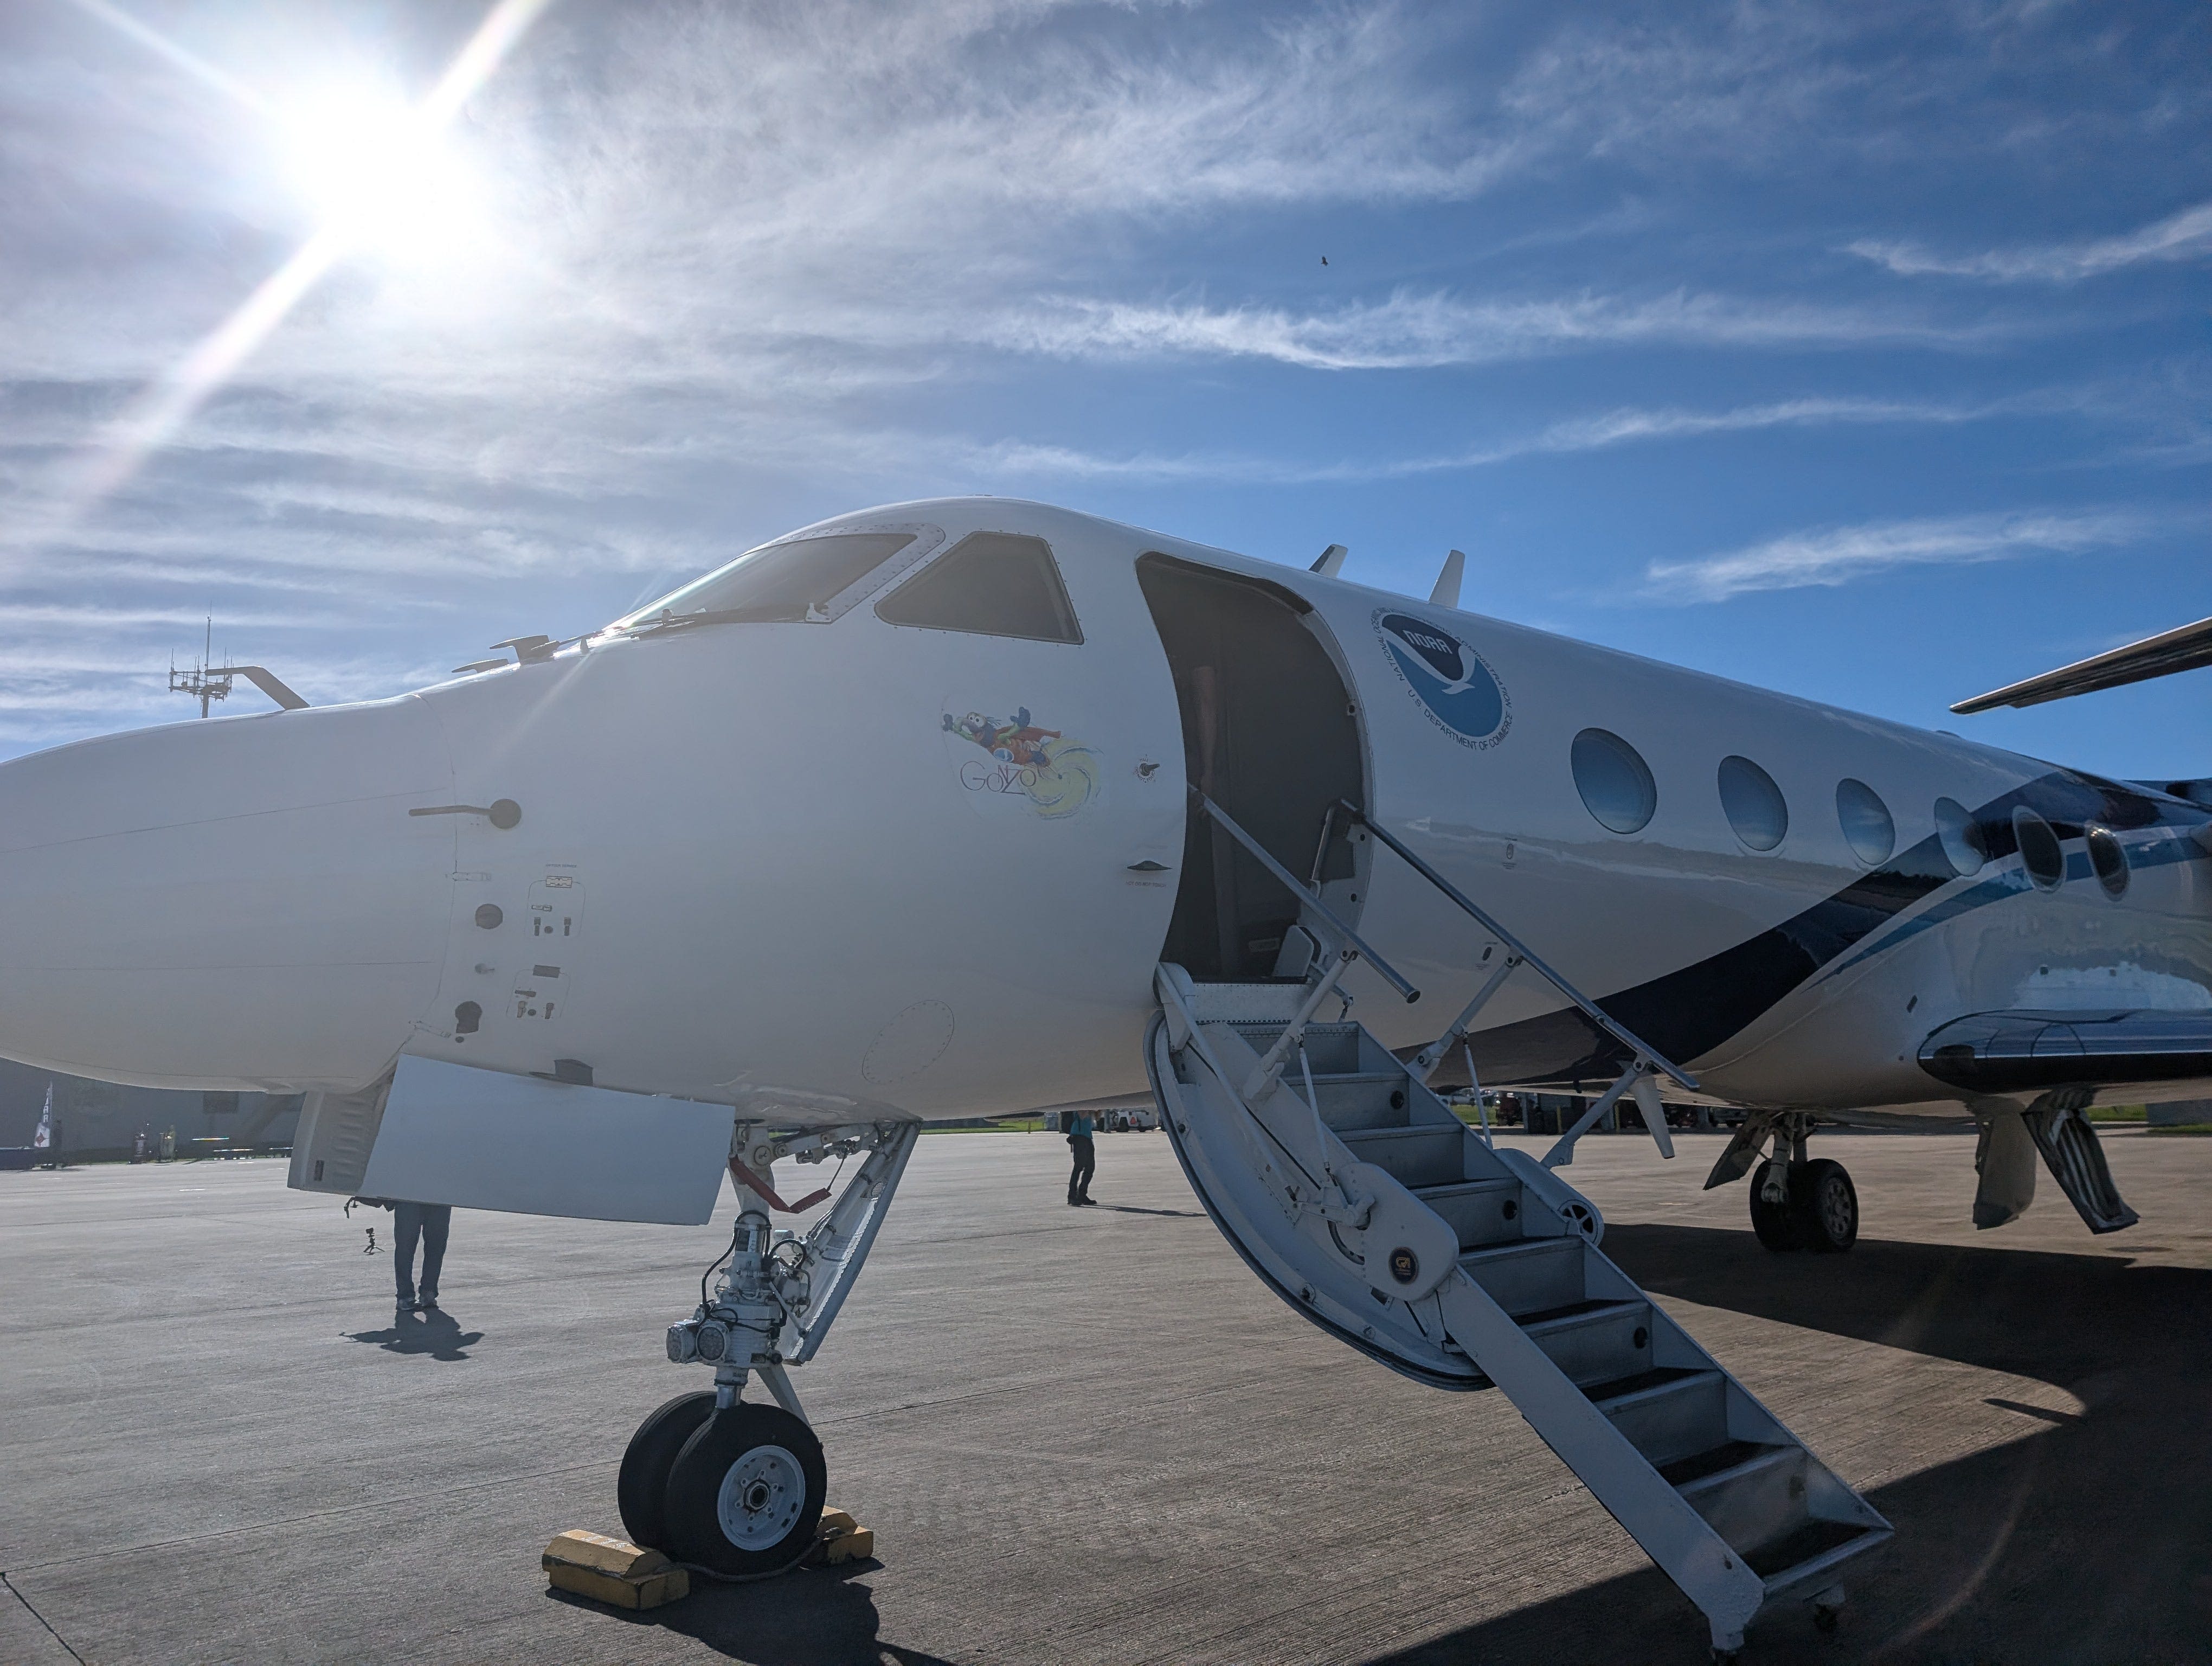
234, 903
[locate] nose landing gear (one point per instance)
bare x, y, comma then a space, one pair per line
732, 1486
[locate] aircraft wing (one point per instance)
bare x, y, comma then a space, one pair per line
2186, 649
2022, 1052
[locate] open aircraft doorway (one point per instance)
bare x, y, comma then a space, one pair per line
1272, 734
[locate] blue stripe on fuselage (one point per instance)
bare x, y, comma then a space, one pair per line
1687, 1012
2179, 847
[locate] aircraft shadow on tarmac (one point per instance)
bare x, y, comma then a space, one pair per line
817, 1617
2088, 1539
2085, 1540
437, 1336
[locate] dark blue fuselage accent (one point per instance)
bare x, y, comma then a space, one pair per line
1688, 1013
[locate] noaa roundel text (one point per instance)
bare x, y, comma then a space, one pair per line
1455, 687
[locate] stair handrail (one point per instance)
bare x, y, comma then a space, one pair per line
1637, 1048
1284, 876
1165, 987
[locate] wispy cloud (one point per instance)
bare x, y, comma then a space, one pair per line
1626, 425
1614, 428
2183, 236
1833, 555
1426, 331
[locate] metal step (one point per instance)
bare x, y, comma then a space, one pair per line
1426, 1154
1683, 1412
1331, 1049
1756, 1502
1600, 1342
1274, 1003
1480, 1211
1369, 1099
1535, 1276
1794, 1570
1762, 1460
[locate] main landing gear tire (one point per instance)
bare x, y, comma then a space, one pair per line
1826, 1206
642, 1490
745, 1493
1774, 1223
1821, 1214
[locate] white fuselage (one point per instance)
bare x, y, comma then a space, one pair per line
811, 865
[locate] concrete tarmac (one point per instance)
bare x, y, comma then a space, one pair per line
1079, 1435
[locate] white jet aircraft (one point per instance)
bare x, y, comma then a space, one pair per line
977, 805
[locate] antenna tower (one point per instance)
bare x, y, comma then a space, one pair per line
202, 682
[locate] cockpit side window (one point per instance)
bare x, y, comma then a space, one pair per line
796, 581
989, 584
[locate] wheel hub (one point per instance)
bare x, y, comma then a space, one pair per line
1835, 1205
762, 1497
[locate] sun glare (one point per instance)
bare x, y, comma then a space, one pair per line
380, 177
384, 177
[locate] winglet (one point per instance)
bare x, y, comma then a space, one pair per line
1446, 594
1330, 562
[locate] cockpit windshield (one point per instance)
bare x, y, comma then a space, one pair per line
792, 582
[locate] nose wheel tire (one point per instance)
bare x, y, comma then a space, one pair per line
1776, 1224
1826, 1206
744, 1494
642, 1490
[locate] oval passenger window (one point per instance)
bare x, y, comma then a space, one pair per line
1616, 785
2109, 858
2040, 853
1868, 827
1753, 803
1961, 837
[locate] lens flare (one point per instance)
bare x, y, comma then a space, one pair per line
378, 171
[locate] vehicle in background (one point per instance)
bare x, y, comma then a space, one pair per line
1108, 1119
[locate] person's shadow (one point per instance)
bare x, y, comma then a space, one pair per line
436, 1333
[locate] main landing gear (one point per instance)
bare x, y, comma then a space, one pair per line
734, 1485
1805, 1206
1796, 1204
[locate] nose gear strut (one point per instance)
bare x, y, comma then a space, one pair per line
737, 1487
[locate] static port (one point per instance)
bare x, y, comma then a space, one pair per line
488, 915
505, 813
467, 1018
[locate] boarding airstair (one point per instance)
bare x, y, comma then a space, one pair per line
1366, 1202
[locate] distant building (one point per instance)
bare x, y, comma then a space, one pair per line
97, 1120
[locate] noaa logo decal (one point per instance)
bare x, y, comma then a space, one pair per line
1455, 685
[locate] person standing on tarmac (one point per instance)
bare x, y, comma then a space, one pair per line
429, 1223
1086, 1159
426, 1224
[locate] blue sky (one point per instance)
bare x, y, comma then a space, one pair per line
1859, 351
